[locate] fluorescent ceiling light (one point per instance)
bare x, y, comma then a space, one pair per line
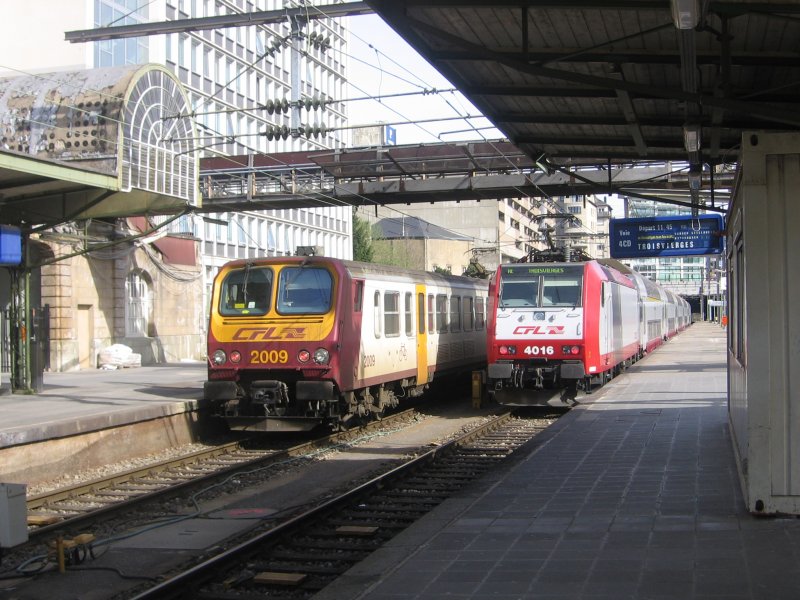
691, 137
685, 13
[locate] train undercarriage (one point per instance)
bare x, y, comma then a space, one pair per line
534, 383
275, 405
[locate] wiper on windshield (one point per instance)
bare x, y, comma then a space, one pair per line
247, 268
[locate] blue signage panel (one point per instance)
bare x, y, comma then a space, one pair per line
390, 133
10, 245
666, 236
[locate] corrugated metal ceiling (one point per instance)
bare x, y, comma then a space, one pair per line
577, 82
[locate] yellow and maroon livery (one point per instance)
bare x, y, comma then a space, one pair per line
295, 342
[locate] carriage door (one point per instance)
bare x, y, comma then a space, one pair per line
422, 337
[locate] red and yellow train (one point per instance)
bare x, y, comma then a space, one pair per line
297, 342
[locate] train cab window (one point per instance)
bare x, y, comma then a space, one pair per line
519, 292
391, 314
561, 290
468, 314
431, 314
304, 290
358, 296
455, 313
441, 313
480, 314
246, 291
409, 314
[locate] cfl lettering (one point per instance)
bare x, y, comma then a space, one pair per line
539, 330
252, 334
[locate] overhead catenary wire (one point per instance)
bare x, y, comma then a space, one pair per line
379, 54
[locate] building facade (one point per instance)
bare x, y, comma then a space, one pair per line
514, 229
248, 90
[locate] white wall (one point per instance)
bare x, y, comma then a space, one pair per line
37, 44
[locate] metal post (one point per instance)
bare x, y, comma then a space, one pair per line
20, 331
297, 28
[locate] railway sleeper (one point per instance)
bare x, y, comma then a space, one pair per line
138, 487
379, 524
407, 503
291, 554
280, 566
427, 495
330, 542
465, 471
438, 483
382, 511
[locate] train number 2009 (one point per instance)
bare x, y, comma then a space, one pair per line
268, 357
539, 350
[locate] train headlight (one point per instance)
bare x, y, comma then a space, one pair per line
574, 350
236, 356
219, 357
321, 356
507, 350
303, 356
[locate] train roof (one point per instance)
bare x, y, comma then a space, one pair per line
360, 269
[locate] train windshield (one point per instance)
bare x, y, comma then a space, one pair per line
562, 288
304, 290
520, 292
246, 291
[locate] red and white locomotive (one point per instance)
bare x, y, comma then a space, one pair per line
295, 342
571, 325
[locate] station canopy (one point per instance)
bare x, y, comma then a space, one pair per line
586, 82
94, 143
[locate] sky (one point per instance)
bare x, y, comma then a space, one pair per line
382, 64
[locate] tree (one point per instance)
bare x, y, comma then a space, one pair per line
362, 240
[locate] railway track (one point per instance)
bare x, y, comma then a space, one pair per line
299, 557
75, 506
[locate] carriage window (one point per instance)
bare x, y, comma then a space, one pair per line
441, 313
409, 306
421, 312
376, 304
391, 314
246, 291
468, 316
455, 313
431, 314
480, 314
304, 290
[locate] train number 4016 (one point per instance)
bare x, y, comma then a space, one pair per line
539, 350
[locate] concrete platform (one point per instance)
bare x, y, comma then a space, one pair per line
90, 418
632, 495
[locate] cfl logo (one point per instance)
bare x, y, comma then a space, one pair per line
539, 330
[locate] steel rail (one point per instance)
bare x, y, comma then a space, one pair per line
190, 580
195, 458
